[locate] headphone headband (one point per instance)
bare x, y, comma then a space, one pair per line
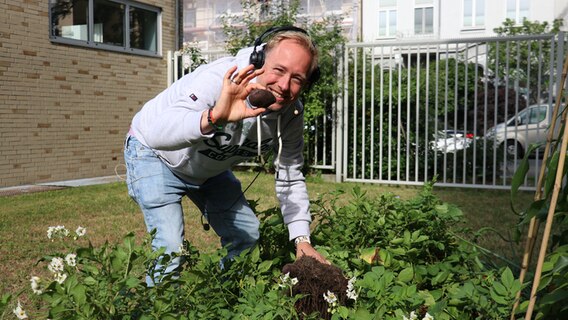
276, 29
257, 57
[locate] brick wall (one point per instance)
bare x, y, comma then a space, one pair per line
64, 110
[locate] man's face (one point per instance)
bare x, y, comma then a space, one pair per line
285, 72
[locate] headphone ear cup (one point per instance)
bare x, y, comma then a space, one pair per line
257, 59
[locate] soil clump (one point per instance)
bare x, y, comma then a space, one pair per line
314, 280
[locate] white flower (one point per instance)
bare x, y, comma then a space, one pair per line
330, 297
56, 265
351, 293
428, 317
60, 277
286, 281
183, 251
50, 232
413, 316
19, 312
81, 231
57, 232
71, 259
35, 283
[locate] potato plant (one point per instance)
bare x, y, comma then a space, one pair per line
402, 260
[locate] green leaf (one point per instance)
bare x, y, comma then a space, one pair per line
440, 277
79, 294
497, 298
551, 174
132, 282
385, 258
89, 281
362, 314
561, 264
534, 209
265, 266
406, 275
397, 241
500, 289
520, 174
343, 312
255, 256
427, 297
507, 278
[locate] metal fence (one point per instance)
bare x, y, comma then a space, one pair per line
416, 111
320, 151
463, 112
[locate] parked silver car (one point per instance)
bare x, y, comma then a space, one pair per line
529, 126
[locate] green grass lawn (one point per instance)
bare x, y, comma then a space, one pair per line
109, 214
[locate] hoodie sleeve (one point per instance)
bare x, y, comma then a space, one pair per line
290, 182
172, 120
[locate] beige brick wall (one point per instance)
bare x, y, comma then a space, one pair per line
64, 110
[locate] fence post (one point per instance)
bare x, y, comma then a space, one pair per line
338, 121
169, 73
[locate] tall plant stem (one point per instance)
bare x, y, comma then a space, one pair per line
534, 225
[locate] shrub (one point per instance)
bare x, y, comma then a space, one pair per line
403, 260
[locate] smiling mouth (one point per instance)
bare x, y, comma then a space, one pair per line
278, 96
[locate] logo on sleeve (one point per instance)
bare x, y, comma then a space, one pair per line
193, 97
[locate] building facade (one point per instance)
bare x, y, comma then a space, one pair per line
72, 75
203, 19
395, 20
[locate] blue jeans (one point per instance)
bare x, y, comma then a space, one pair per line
158, 192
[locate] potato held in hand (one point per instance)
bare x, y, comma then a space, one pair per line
260, 98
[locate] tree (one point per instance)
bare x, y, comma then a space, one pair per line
526, 58
326, 33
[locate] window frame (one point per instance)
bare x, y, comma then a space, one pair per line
423, 8
388, 10
474, 7
126, 48
517, 10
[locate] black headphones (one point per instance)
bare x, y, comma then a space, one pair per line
257, 57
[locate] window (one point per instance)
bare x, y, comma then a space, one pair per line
517, 10
473, 13
533, 115
226, 10
387, 18
124, 25
424, 17
333, 5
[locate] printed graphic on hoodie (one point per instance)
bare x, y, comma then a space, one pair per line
220, 149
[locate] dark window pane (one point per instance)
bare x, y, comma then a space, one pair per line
143, 26
69, 19
109, 22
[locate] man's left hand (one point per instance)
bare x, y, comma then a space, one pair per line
306, 249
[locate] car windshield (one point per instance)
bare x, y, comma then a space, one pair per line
532, 115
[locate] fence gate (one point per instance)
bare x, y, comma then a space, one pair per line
463, 111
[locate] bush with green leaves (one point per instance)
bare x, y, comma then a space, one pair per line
404, 258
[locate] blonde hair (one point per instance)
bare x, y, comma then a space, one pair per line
301, 38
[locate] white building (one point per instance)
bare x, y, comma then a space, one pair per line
382, 20
202, 19
385, 20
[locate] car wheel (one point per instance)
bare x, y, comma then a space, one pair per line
514, 149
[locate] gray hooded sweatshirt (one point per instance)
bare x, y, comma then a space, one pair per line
170, 124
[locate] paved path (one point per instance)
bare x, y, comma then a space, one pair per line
10, 191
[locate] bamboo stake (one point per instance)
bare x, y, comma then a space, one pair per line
553, 201
534, 223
